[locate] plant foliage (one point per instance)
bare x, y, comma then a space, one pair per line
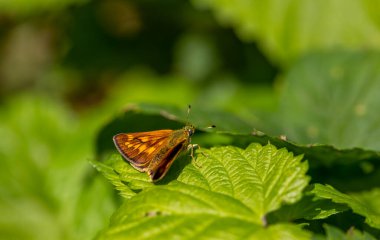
247, 191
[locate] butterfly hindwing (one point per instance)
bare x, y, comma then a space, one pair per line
159, 170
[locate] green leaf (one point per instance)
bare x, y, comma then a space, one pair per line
227, 190
181, 210
128, 175
328, 192
320, 202
260, 177
310, 207
182, 199
45, 176
352, 234
113, 176
281, 231
332, 98
286, 30
371, 199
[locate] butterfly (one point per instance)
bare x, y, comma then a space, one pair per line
155, 151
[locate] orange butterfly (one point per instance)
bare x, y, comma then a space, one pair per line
155, 151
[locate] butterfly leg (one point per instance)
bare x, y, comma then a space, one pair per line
191, 148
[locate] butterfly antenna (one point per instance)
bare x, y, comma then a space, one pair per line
188, 114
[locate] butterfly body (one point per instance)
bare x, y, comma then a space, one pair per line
155, 151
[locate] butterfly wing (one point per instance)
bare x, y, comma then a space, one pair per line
140, 148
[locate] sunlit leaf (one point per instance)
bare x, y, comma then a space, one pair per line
217, 197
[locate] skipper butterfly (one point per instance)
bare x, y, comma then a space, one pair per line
154, 152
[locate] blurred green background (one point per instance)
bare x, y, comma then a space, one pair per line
306, 69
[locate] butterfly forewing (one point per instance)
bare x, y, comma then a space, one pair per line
140, 148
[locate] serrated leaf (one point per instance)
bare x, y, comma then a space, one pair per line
328, 192
228, 189
188, 212
183, 199
112, 176
261, 177
126, 179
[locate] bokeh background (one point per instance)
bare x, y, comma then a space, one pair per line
299, 68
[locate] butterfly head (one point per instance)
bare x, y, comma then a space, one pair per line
189, 129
